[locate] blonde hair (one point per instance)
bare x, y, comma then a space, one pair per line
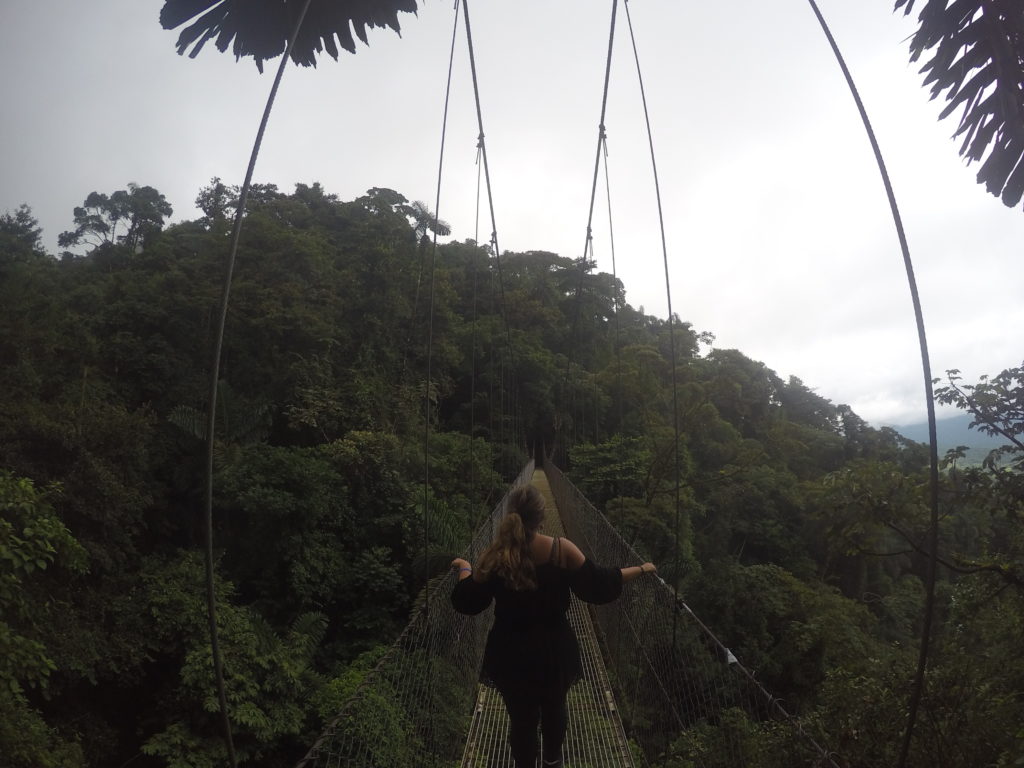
508, 556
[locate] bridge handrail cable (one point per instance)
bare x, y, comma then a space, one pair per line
696, 676
411, 708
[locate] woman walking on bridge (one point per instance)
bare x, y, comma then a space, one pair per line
532, 656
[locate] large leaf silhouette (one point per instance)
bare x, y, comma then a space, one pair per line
978, 60
260, 28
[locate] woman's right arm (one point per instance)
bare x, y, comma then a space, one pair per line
574, 558
636, 571
590, 582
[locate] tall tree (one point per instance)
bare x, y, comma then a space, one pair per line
424, 220
139, 211
20, 236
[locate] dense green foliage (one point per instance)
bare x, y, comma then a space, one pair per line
799, 525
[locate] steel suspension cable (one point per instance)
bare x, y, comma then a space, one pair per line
471, 522
429, 371
211, 405
479, 178
490, 293
430, 322
588, 243
427, 614
569, 387
668, 293
933, 533
616, 308
482, 144
487, 169
601, 134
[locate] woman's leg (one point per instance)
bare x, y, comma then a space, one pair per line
554, 719
524, 712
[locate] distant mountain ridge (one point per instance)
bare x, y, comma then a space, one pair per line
951, 433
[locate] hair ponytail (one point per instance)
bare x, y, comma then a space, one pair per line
508, 556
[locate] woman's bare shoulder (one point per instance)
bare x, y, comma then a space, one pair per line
540, 547
571, 556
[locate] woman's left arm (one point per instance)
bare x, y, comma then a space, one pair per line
462, 568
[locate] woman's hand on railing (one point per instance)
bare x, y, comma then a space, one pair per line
636, 571
462, 568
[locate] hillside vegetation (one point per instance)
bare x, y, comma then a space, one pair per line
800, 531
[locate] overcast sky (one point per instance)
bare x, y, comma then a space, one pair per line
779, 236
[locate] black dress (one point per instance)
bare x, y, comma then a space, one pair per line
531, 642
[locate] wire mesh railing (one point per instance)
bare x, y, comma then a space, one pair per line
683, 697
413, 708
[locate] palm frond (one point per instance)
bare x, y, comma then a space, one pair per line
260, 28
977, 62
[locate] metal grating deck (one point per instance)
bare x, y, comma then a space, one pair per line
595, 738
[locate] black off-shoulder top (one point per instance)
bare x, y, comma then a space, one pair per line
531, 642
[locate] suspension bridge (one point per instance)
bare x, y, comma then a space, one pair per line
659, 689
